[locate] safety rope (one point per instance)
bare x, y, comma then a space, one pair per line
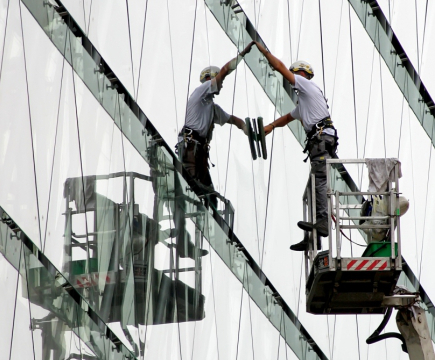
250, 313
321, 49
232, 114
172, 67
269, 178
368, 115
257, 15
209, 245
210, 252
336, 61
173, 275
382, 103
129, 40
252, 173
141, 51
31, 127
331, 346
430, 151
89, 16
416, 33
300, 29
425, 206
191, 56
54, 146
281, 326
289, 28
357, 336
342, 233
240, 314
4, 40
353, 83
424, 34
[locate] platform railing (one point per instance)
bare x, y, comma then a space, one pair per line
342, 213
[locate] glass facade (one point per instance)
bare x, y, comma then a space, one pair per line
108, 249
129, 246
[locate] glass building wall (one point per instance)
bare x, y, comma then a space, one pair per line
62, 129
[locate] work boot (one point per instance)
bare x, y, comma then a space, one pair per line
321, 226
303, 245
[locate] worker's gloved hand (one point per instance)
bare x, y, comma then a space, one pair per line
245, 129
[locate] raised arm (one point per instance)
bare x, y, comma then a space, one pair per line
277, 64
231, 65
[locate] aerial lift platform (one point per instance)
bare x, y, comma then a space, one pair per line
337, 283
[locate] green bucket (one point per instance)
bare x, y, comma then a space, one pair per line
379, 249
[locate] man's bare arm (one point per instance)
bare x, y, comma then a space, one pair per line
280, 122
277, 64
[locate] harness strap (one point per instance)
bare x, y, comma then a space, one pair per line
325, 123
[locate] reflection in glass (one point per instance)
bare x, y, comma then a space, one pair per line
68, 327
113, 265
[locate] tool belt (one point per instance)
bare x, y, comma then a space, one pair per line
192, 138
190, 135
315, 145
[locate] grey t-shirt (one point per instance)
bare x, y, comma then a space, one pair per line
312, 106
202, 111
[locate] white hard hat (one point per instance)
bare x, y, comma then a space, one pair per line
403, 205
304, 66
209, 71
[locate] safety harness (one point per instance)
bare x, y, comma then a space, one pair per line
190, 136
314, 136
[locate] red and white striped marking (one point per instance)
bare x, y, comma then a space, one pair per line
363, 265
94, 279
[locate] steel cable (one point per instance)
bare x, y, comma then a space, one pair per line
141, 52
172, 66
31, 128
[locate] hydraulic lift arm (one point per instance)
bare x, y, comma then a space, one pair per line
412, 324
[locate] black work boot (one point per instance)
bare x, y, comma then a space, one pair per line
303, 245
321, 226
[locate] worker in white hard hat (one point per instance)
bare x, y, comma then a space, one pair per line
321, 142
201, 115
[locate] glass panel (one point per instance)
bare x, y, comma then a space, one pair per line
17, 190
9, 280
400, 67
62, 308
21, 330
44, 65
167, 279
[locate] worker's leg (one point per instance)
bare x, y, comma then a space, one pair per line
189, 160
320, 151
318, 168
185, 246
205, 179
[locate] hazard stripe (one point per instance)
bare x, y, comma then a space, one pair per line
360, 266
376, 262
367, 265
351, 264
